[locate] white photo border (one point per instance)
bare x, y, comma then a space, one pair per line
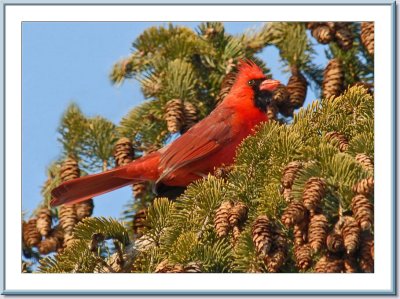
380, 282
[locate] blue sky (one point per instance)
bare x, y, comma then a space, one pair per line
64, 62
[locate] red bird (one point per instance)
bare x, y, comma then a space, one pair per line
206, 146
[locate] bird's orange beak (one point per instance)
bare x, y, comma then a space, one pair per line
269, 85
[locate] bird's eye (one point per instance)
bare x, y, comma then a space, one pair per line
251, 82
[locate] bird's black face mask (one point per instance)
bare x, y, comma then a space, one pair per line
263, 91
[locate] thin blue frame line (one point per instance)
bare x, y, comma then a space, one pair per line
394, 193
394, 149
3, 157
206, 2
196, 292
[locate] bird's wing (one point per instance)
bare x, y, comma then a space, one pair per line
201, 140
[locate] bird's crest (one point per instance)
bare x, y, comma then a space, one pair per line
249, 68
244, 66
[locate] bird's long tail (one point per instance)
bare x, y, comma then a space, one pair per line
83, 188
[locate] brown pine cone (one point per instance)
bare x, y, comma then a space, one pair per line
286, 111
174, 115
165, 267
24, 233
43, 222
221, 219
123, 151
58, 233
350, 264
193, 267
300, 233
139, 222
69, 170
329, 264
323, 34
365, 187
281, 96
351, 234
312, 25
278, 253
302, 255
272, 111
226, 86
297, 88
139, 189
314, 191
68, 239
31, 234
339, 139
84, 209
52, 243
238, 214
67, 217
344, 38
287, 195
372, 250
365, 161
317, 231
334, 242
262, 235
290, 173
367, 36
332, 84
190, 115
48, 245
274, 260
295, 213
363, 211
366, 261
235, 233
331, 25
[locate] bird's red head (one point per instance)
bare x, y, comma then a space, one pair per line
251, 82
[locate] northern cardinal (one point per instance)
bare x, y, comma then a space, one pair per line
206, 146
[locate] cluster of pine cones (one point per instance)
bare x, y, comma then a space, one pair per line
270, 243
290, 97
340, 32
344, 246
325, 32
70, 215
333, 81
341, 244
124, 154
230, 216
38, 231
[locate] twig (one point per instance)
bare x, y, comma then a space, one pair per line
200, 233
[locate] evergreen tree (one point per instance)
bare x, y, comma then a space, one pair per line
299, 197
